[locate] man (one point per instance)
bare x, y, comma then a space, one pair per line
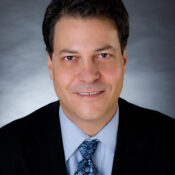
90, 130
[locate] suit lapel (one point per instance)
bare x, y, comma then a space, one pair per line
45, 154
133, 148
121, 138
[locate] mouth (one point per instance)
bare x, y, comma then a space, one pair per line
90, 94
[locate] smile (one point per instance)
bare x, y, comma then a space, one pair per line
90, 93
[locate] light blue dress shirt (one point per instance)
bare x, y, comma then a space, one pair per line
73, 136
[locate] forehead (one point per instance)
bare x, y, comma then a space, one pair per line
85, 31
87, 22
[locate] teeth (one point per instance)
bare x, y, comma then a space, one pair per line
89, 93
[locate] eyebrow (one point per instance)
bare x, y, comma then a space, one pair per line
107, 47
67, 51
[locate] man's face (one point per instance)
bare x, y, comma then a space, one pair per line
87, 68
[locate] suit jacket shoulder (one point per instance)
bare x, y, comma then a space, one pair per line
33, 144
27, 125
149, 121
145, 142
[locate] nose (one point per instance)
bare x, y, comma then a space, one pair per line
89, 72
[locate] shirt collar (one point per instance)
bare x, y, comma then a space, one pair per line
73, 136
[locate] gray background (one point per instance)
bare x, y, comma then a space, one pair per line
25, 84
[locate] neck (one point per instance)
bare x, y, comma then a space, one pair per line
91, 126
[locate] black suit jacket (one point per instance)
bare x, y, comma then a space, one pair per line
33, 145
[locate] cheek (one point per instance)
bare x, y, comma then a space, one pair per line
113, 74
62, 77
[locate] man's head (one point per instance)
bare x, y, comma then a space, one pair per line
111, 9
87, 59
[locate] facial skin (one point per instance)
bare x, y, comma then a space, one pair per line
87, 69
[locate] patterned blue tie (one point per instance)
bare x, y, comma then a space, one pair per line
86, 166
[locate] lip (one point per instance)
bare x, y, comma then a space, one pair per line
90, 94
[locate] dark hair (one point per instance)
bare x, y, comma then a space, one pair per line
112, 9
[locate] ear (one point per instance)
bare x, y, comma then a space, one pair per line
50, 66
124, 56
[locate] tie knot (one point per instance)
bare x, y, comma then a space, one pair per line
87, 148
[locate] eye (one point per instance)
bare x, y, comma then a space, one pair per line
69, 58
104, 55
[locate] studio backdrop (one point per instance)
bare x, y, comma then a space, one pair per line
24, 79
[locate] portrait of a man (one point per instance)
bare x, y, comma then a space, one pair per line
90, 129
